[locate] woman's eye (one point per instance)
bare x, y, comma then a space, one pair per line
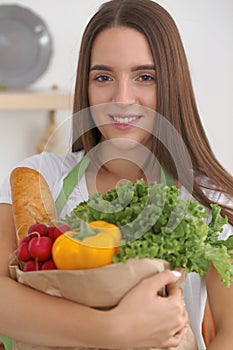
146, 77
102, 78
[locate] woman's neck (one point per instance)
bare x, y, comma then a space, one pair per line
112, 166
123, 169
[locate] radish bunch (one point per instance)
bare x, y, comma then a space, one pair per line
35, 250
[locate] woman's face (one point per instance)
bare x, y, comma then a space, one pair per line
122, 88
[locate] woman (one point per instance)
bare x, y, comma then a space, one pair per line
131, 64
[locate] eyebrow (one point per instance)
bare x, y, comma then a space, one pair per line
136, 68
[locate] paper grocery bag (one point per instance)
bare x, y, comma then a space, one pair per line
102, 287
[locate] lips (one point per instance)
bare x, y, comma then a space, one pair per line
123, 121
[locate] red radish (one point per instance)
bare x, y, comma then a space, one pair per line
25, 239
23, 252
32, 265
41, 248
40, 228
55, 232
64, 228
51, 230
49, 265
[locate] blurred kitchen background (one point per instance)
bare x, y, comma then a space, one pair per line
29, 114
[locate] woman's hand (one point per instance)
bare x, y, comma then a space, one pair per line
147, 319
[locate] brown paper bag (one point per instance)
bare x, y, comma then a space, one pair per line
101, 288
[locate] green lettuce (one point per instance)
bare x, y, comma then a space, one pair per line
157, 223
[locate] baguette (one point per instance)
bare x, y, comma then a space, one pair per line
32, 200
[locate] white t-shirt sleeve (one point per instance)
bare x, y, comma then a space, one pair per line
40, 162
53, 168
5, 193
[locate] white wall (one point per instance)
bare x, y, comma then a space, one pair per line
206, 27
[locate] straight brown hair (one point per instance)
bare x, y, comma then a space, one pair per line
175, 96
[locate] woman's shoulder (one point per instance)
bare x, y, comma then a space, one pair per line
49, 159
53, 167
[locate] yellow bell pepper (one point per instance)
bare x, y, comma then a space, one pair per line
70, 252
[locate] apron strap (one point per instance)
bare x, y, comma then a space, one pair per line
74, 176
166, 177
70, 181
7, 342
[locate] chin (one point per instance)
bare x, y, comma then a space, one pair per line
134, 149
124, 143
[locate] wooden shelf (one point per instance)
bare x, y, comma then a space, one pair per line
50, 100
28, 100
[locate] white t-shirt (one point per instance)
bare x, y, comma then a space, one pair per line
54, 169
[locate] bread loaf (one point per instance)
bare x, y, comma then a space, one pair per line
32, 200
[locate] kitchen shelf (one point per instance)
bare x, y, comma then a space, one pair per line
50, 100
29, 100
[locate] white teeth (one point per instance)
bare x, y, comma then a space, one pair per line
123, 120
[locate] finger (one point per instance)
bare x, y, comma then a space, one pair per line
183, 326
183, 331
176, 337
185, 315
180, 333
162, 279
182, 318
174, 291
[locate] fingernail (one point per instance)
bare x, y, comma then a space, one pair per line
176, 273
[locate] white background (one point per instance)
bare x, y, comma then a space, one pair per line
206, 27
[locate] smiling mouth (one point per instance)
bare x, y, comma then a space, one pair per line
123, 119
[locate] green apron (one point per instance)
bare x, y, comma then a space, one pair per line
74, 176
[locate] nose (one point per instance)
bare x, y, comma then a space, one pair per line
124, 92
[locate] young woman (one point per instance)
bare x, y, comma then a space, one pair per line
134, 99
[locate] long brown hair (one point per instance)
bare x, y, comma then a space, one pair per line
175, 97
